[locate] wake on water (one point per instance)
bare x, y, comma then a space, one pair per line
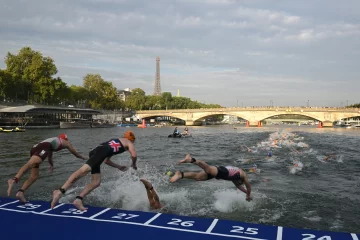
124, 189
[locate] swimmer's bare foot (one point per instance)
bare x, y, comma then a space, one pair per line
146, 183
79, 205
176, 177
21, 197
187, 159
11, 184
56, 197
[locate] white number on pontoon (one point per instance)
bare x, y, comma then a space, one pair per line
125, 216
74, 211
176, 221
29, 206
312, 236
239, 229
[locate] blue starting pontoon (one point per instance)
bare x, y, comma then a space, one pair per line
36, 220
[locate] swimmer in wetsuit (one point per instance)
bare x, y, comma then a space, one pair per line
229, 173
102, 153
38, 153
153, 197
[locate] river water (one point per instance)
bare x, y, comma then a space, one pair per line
317, 194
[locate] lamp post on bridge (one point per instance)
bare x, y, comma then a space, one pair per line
308, 103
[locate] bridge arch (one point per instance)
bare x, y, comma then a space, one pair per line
146, 116
309, 115
199, 117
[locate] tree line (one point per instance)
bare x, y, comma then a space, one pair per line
30, 77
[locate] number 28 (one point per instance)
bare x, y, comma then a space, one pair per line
239, 229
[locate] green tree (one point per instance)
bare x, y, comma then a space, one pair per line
136, 100
7, 85
153, 102
180, 102
166, 100
101, 94
32, 74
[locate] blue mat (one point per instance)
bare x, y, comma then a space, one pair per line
36, 220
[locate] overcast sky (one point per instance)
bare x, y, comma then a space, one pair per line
230, 52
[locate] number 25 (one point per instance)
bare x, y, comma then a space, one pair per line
239, 229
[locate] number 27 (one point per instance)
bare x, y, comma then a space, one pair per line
239, 229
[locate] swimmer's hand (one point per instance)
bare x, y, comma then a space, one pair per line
84, 158
134, 166
51, 169
249, 198
123, 168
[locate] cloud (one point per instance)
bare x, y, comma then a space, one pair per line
215, 51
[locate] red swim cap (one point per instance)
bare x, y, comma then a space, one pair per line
63, 136
130, 136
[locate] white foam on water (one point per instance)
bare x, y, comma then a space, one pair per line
270, 217
229, 200
339, 158
313, 219
312, 216
337, 223
297, 167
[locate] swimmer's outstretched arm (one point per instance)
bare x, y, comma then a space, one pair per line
247, 191
248, 188
51, 163
73, 151
114, 165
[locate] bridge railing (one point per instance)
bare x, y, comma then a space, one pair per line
287, 109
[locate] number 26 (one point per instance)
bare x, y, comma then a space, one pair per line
239, 229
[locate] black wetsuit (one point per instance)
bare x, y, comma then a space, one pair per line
104, 150
229, 173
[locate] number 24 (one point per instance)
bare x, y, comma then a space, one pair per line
311, 236
239, 229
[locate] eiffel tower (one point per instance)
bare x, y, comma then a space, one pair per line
157, 90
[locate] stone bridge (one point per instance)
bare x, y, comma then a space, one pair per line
254, 116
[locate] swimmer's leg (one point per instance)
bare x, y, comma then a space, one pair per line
34, 161
95, 182
33, 177
212, 170
156, 199
198, 176
149, 188
83, 171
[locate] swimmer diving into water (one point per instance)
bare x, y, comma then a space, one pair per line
102, 153
39, 152
229, 173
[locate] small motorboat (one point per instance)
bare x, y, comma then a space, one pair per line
179, 135
175, 136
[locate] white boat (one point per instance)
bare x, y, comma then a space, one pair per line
76, 123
